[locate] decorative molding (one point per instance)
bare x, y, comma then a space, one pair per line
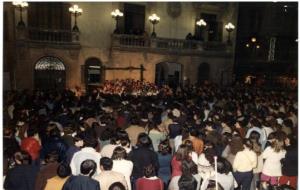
174, 9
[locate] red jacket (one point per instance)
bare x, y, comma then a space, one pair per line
31, 146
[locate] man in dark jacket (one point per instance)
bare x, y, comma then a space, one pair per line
23, 175
84, 180
54, 144
141, 157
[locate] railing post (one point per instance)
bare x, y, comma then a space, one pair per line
153, 42
75, 36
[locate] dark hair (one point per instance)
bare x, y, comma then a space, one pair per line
248, 143
123, 137
182, 153
187, 181
119, 153
223, 166
164, 147
106, 163
236, 145
189, 145
149, 171
117, 186
144, 140
188, 167
88, 167
31, 131
51, 157
212, 185
90, 142
22, 157
63, 170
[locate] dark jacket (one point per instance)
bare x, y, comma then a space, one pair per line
142, 157
22, 177
290, 162
174, 130
54, 144
81, 183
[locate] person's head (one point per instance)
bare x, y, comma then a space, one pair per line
123, 137
22, 157
236, 145
189, 145
31, 131
187, 183
117, 186
248, 144
119, 153
213, 186
182, 153
223, 166
164, 147
149, 171
78, 141
277, 145
63, 170
91, 142
88, 168
106, 164
51, 157
144, 140
188, 167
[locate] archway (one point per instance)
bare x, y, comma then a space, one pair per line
169, 73
203, 72
93, 72
50, 73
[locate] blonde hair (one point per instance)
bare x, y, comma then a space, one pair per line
277, 145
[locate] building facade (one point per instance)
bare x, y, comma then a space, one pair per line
46, 52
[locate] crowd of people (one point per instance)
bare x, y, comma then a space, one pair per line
204, 137
133, 87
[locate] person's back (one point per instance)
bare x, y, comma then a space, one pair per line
142, 156
107, 177
150, 180
81, 183
21, 177
133, 132
88, 152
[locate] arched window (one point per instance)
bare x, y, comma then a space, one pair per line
49, 73
49, 63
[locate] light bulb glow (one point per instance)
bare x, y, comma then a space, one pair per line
201, 22
154, 17
21, 4
116, 13
75, 9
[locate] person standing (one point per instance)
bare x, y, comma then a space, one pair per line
244, 163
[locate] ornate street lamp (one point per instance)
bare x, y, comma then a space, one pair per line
21, 5
116, 14
154, 19
76, 11
201, 23
229, 28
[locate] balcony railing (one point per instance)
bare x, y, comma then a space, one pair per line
132, 41
45, 35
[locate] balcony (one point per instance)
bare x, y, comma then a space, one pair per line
167, 45
37, 37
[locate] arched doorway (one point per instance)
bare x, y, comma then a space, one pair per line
203, 72
169, 73
93, 72
50, 73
